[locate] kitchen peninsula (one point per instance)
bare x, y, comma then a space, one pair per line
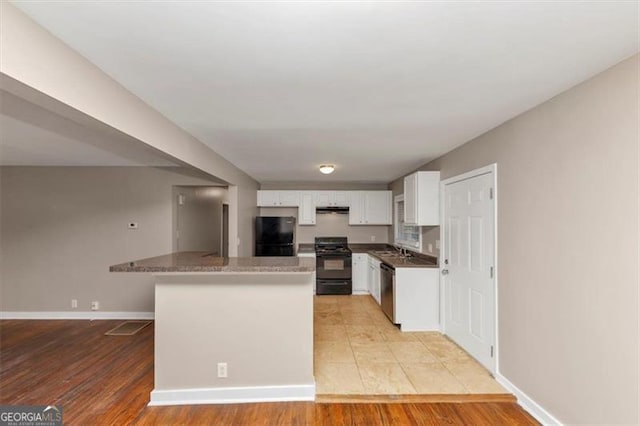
230, 329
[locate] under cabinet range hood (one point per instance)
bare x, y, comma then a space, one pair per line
337, 210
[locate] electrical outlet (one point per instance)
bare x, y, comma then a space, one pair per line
74, 303
222, 370
438, 244
95, 305
373, 238
430, 248
132, 225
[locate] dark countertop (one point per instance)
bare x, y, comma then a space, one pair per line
410, 262
355, 248
200, 261
418, 260
367, 247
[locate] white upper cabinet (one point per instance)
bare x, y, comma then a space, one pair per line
365, 207
370, 208
422, 199
342, 198
332, 198
377, 207
278, 198
268, 198
289, 198
307, 209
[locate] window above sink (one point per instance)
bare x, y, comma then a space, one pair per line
408, 236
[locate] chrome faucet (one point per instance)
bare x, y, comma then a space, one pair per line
402, 250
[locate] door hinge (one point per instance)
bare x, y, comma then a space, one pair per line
491, 272
491, 351
491, 193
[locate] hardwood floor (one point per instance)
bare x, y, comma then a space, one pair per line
101, 379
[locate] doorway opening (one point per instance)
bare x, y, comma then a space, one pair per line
199, 219
225, 230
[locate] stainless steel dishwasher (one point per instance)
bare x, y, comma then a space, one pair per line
387, 290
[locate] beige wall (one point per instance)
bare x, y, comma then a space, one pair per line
198, 220
245, 201
330, 225
261, 325
42, 69
62, 227
568, 246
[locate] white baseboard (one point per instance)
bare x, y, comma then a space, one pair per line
532, 407
76, 315
360, 292
233, 395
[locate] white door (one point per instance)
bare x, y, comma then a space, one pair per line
468, 266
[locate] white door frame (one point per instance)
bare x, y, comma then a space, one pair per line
493, 170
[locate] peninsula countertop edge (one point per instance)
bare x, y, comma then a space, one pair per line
204, 262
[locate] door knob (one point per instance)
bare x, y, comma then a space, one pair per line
445, 272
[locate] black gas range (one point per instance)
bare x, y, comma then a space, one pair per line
333, 266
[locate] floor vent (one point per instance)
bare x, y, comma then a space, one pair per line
127, 328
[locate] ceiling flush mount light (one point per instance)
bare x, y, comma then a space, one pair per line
327, 168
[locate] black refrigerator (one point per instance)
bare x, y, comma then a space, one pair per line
275, 236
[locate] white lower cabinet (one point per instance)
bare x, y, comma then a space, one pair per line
417, 299
416, 292
359, 274
313, 256
373, 277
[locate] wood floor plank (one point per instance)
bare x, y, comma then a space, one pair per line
107, 380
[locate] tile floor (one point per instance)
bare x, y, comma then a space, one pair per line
359, 351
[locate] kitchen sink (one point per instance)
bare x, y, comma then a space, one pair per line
385, 252
390, 253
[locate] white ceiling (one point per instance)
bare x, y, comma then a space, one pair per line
376, 88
